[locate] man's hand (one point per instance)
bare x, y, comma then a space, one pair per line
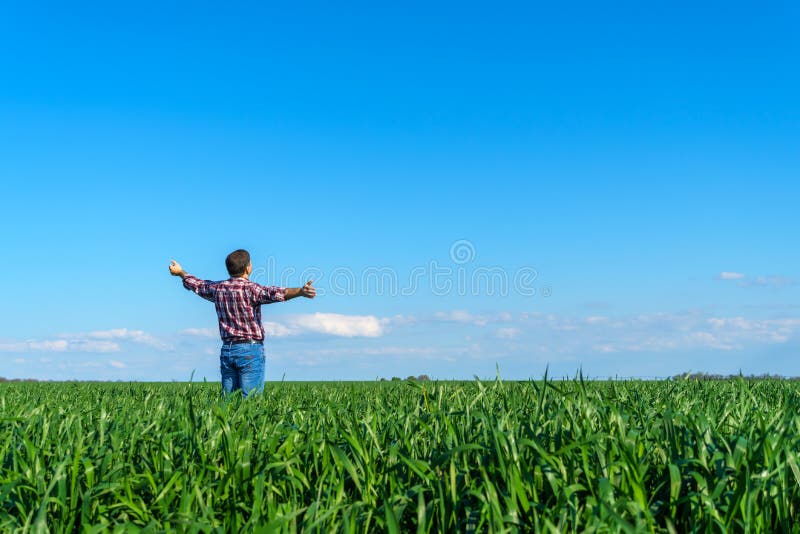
175, 269
308, 291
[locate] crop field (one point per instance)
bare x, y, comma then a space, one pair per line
402, 457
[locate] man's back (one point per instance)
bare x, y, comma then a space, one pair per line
238, 302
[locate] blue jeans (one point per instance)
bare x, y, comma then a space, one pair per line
242, 367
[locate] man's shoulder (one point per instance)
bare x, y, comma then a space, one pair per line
238, 283
224, 284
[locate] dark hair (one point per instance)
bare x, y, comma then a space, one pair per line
237, 262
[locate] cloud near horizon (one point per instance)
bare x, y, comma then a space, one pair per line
59, 345
438, 338
597, 333
95, 341
136, 336
332, 324
742, 280
340, 325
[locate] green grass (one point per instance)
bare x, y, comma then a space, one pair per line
398, 457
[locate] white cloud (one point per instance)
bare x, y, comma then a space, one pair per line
200, 332
136, 336
756, 281
735, 329
275, 329
339, 325
41, 346
767, 281
463, 316
507, 333
387, 350
437, 337
332, 324
401, 320
729, 275
93, 346
59, 345
552, 334
672, 332
96, 341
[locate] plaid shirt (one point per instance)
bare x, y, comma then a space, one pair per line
238, 302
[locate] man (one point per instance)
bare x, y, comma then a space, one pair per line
238, 302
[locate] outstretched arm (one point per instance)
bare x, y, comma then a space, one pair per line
269, 294
307, 291
203, 288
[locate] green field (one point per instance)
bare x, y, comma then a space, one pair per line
401, 456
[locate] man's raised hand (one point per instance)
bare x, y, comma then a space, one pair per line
308, 290
175, 269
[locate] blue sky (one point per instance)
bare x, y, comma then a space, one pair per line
638, 164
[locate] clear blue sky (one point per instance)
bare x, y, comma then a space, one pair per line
630, 154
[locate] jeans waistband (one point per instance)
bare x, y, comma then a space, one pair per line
243, 342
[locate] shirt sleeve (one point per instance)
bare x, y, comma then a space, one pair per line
204, 288
268, 294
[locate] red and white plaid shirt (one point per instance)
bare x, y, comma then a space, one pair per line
238, 302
